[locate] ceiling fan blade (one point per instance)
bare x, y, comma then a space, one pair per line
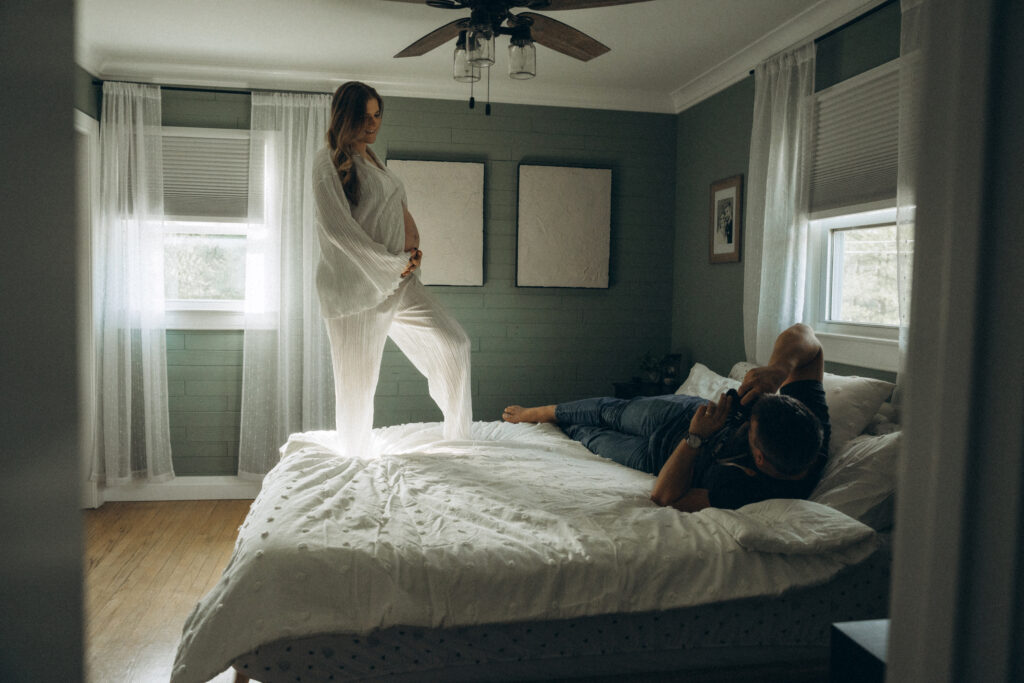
563, 38
435, 38
553, 5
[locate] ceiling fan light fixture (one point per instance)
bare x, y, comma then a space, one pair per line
462, 70
480, 47
522, 59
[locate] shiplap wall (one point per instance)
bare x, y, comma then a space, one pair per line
529, 345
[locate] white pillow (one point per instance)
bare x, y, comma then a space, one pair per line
739, 371
885, 421
706, 383
790, 527
860, 480
852, 402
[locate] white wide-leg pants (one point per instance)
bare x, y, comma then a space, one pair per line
427, 334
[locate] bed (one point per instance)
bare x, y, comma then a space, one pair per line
521, 555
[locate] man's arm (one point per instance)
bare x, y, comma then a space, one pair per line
796, 355
675, 480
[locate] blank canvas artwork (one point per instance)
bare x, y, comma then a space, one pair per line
446, 199
564, 226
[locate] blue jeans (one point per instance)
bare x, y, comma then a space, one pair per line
638, 432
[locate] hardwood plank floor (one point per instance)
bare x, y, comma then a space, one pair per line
146, 566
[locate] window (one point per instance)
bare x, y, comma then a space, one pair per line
206, 205
854, 274
852, 264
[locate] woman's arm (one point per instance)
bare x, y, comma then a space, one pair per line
343, 232
412, 243
412, 233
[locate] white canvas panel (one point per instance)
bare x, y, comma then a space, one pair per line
564, 226
446, 199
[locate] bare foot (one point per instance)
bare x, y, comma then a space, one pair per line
517, 414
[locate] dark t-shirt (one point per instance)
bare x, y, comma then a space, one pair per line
723, 464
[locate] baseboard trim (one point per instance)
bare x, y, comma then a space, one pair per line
186, 488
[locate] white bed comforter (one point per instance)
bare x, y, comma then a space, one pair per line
520, 524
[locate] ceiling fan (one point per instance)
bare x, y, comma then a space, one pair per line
474, 47
491, 17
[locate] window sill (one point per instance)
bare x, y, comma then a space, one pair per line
204, 320
864, 352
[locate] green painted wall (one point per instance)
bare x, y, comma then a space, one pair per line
713, 139
204, 386
713, 142
545, 345
871, 40
529, 345
537, 345
205, 108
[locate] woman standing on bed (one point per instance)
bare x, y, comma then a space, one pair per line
367, 281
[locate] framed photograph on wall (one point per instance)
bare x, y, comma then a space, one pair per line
726, 226
564, 226
446, 198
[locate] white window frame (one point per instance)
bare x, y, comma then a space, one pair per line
205, 314
860, 344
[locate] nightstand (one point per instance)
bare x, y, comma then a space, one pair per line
858, 651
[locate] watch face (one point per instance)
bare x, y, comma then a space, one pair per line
694, 440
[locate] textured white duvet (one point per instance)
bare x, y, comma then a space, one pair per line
520, 524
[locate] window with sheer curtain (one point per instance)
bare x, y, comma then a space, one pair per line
852, 280
862, 188
206, 224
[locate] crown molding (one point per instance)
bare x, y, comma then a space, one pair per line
216, 76
810, 24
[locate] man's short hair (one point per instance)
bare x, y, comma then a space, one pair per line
788, 433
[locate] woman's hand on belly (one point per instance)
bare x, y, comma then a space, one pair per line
415, 257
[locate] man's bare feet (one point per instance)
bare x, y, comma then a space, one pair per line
516, 414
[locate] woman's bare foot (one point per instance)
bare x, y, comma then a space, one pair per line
516, 414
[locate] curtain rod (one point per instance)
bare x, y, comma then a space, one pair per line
211, 89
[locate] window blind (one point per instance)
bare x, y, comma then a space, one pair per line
206, 176
853, 153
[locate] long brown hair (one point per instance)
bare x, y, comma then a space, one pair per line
348, 119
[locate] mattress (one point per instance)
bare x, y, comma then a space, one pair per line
791, 629
519, 525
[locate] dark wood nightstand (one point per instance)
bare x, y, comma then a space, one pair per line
638, 388
858, 651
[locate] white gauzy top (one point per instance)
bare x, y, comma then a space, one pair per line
361, 247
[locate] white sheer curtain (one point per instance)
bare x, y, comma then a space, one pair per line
131, 344
911, 78
777, 232
287, 384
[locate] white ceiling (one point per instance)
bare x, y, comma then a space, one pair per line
666, 55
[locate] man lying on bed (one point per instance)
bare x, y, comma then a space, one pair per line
753, 444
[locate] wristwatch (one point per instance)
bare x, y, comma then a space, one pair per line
694, 441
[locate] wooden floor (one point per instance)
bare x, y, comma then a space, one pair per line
146, 566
